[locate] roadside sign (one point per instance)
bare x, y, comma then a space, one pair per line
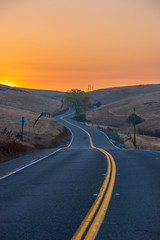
23, 121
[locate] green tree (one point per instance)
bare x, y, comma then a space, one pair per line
78, 100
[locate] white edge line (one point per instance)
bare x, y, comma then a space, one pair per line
106, 137
36, 161
128, 149
114, 144
109, 139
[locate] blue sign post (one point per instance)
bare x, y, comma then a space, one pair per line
23, 121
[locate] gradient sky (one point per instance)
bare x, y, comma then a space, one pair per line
64, 44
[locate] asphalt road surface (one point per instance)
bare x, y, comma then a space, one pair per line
49, 198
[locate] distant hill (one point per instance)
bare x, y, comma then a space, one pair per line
36, 101
18, 102
110, 95
118, 104
46, 93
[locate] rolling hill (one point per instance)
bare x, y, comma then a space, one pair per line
17, 98
110, 95
15, 103
118, 104
46, 93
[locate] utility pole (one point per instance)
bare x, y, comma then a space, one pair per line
90, 88
134, 123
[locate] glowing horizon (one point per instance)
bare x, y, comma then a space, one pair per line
83, 88
65, 45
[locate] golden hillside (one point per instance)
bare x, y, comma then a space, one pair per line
47, 133
16, 98
118, 104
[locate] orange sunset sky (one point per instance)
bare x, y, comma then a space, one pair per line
64, 44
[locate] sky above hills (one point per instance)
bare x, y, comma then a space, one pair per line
64, 44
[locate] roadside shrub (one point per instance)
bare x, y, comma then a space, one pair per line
11, 148
98, 104
138, 119
157, 133
151, 133
80, 117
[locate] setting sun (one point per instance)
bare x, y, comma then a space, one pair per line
8, 83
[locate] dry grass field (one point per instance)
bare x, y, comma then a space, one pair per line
46, 93
47, 133
16, 98
142, 142
117, 106
110, 95
46, 129
11, 148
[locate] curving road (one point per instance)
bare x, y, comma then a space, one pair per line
49, 198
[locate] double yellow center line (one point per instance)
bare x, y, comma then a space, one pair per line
93, 220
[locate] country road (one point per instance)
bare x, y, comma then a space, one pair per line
116, 191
